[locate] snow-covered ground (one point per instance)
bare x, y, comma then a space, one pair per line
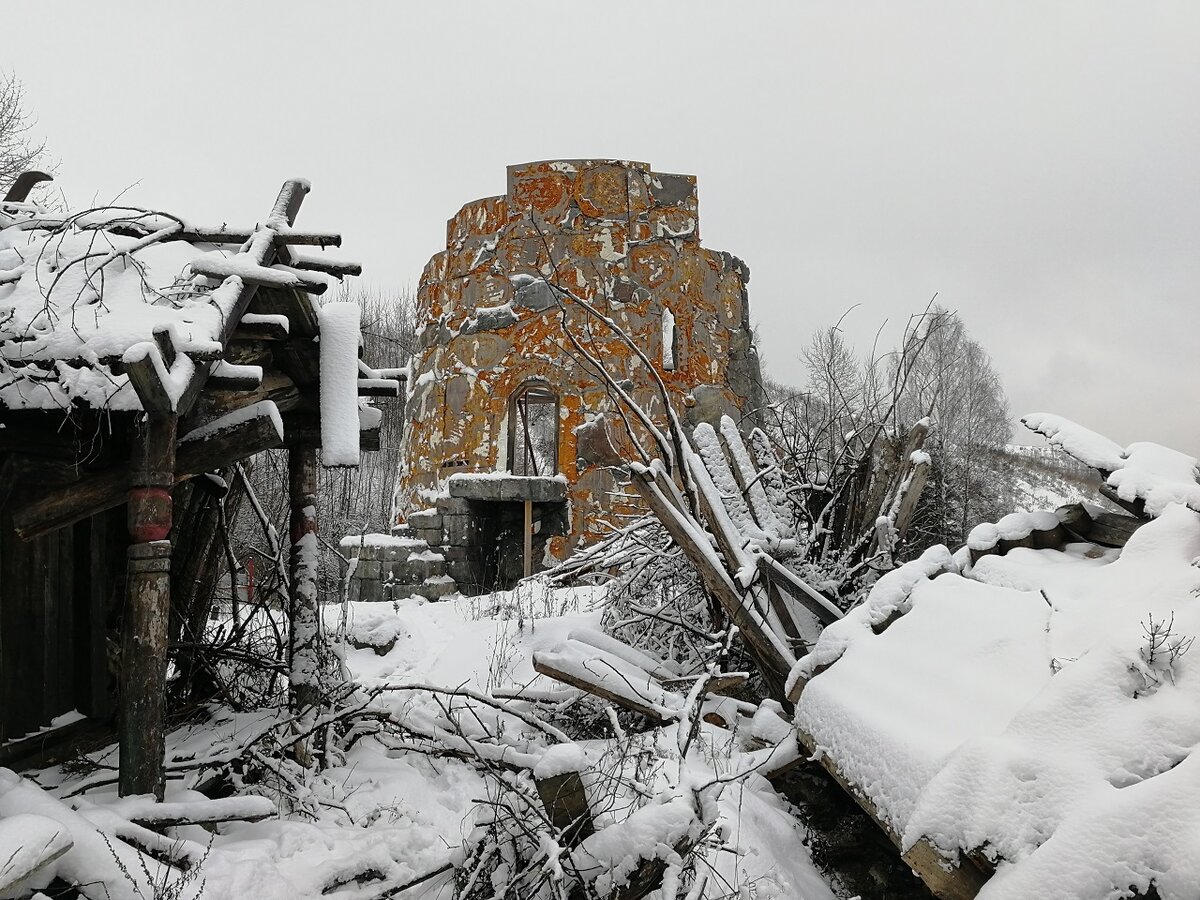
391, 815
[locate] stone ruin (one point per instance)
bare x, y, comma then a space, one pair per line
508, 428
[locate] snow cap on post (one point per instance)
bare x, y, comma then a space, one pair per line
339, 331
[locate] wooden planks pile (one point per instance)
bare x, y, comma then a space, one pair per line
636, 681
744, 523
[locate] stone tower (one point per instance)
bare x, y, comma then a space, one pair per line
506, 421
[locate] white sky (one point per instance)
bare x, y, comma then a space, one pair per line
1034, 164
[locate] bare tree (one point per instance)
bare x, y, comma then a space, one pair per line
955, 385
20, 150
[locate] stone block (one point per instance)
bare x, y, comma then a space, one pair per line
453, 506
426, 518
418, 568
460, 531
367, 590
436, 588
431, 536
367, 569
459, 570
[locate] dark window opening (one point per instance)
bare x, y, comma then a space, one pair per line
533, 431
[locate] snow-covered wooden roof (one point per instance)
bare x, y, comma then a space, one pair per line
83, 294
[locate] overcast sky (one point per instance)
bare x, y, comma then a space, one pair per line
1035, 165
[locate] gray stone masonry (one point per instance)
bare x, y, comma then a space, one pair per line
391, 567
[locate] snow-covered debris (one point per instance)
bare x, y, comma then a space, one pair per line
1142, 472
1157, 475
339, 325
28, 844
1085, 445
102, 866
657, 831
559, 760
1043, 712
1013, 527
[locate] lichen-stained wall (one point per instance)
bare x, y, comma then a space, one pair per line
627, 240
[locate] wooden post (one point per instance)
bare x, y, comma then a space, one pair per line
148, 602
566, 806
528, 538
305, 631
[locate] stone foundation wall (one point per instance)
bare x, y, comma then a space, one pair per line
392, 567
625, 239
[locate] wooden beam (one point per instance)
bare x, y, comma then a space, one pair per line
258, 275
527, 534
961, 881
1133, 507
1113, 529
301, 315
335, 268
566, 805
626, 700
261, 328
94, 494
772, 664
275, 386
19, 190
229, 377
222, 235
378, 387
145, 373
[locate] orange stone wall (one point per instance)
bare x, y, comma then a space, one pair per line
627, 240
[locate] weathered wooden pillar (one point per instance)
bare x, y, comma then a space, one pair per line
528, 538
148, 602
305, 662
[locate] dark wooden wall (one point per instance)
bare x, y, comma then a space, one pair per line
59, 594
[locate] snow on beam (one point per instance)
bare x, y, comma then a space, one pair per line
152, 814
28, 844
281, 277
339, 342
959, 879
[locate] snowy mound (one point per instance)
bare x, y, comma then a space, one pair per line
1144, 473
1042, 712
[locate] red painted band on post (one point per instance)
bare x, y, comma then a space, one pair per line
151, 507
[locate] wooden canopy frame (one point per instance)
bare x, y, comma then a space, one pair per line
226, 411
